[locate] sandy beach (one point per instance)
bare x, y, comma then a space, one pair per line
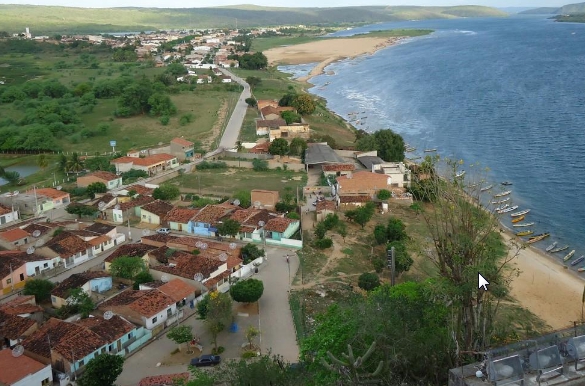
327, 51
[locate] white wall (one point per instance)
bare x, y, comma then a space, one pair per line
161, 317
37, 378
30, 266
9, 217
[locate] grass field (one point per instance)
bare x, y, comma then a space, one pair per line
263, 44
248, 132
228, 181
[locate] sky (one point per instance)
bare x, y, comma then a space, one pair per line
285, 3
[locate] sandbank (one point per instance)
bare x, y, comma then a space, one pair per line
327, 51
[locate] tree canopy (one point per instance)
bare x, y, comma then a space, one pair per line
166, 192
127, 267
228, 227
390, 146
279, 147
81, 210
102, 370
368, 281
304, 104
247, 291
40, 288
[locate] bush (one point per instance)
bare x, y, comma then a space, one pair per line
384, 194
164, 120
205, 165
217, 351
379, 264
259, 165
380, 234
249, 354
368, 281
323, 243
185, 119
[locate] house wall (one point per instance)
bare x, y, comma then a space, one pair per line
85, 181
8, 217
37, 379
150, 218
36, 267
322, 214
123, 167
292, 228
285, 243
178, 226
158, 319
77, 259
199, 228
99, 285
17, 279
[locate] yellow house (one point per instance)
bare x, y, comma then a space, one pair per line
296, 130
129, 250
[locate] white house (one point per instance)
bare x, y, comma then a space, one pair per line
7, 215
23, 370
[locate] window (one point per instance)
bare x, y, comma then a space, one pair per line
46, 265
111, 348
169, 313
154, 320
130, 336
21, 276
53, 299
8, 281
81, 363
143, 216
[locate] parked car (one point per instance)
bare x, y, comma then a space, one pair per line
206, 360
163, 231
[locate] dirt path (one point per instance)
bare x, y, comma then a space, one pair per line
216, 129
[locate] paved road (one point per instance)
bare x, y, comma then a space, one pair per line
232, 130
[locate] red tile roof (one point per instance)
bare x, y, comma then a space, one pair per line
76, 280
21, 305
16, 259
187, 265
158, 207
177, 289
158, 238
278, 224
271, 123
213, 281
13, 326
103, 175
14, 235
354, 199
30, 228
49, 192
163, 380
146, 161
140, 189
67, 244
182, 142
13, 369
362, 181
110, 330
4, 210
210, 214
145, 302
100, 228
139, 201
130, 250
338, 167
325, 205
180, 215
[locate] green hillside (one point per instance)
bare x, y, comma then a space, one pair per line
45, 20
541, 11
569, 10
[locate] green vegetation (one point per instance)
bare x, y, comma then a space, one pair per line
39, 288
102, 370
48, 20
573, 18
247, 291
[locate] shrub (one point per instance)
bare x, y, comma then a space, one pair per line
323, 243
368, 281
379, 264
259, 165
164, 120
205, 165
384, 194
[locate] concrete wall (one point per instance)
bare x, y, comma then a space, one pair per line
165, 177
271, 165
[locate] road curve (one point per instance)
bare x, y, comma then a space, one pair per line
232, 130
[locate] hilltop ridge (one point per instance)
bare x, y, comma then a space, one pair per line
568, 9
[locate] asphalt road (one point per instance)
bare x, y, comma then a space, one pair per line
232, 130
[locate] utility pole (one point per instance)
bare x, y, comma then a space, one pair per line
129, 233
391, 265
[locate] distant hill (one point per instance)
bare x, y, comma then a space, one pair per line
541, 11
512, 10
46, 20
569, 9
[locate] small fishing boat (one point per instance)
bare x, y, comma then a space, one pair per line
521, 213
569, 255
524, 224
486, 188
472, 186
552, 246
578, 260
506, 210
524, 233
502, 207
430, 150
559, 249
539, 237
581, 269
506, 183
506, 193
460, 174
409, 149
497, 202
518, 219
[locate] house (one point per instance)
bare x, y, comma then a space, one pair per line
14, 328
130, 209
157, 240
182, 149
352, 200
151, 164
271, 112
263, 126
148, 308
266, 102
111, 180
261, 148
319, 154
201, 79
225, 79
295, 130
23, 370
14, 237
23, 306
362, 183
216, 250
7, 215
398, 172
338, 169
165, 380
178, 290
58, 197
178, 218
203, 223
154, 212
250, 220
71, 249
91, 281
27, 203
129, 250
324, 208
264, 198
279, 228
17, 266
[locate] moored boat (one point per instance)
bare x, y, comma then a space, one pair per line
524, 233
569, 255
552, 246
502, 207
524, 224
507, 192
497, 202
486, 188
539, 237
460, 174
518, 219
506, 183
559, 249
430, 150
581, 269
578, 260
521, 213
506, 210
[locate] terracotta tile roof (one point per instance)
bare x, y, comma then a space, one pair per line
158, 207
354, 199
21, 305
271, 123
180, 215
140, 189
4, 210
138, 201
110, 330
30, 228
275, 110
261, 148
16, 259
13, 326
106, 198
338, 167
177, 289
76, 280
163, 380
82, 233
14, 369
164, 253
14, 234
153, 284
100, 228
362, 180
49, 192
325, 205
130, 250
146, 161
265, 197
182, 142
213, 281
103, 175
145, 302
71, 341
187, 265
67, 244
210, 214
99, 240
278, 224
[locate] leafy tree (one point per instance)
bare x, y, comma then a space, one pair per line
251, 252
390, 146
287, 99
80, 301
180, 334
161, 104
395, 229
279, 147
176, 69
228, 227
40, 288
297, 147
342, 230
203, 307
11, 176
368, 281
361, 215
62, 163
74, 164
256, 61
81, 210
102, 370
166, 192
320, 230
304, 104
259, 165
251, 102
42, 161
323, 243
380, 234
127, 267
290, 117
141, 278
251, 333
96, 187
98, 163
384, 194
253, 81
219, 314
134, 98
402, 258
245, 198
247, 291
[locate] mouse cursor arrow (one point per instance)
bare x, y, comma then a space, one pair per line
482, 282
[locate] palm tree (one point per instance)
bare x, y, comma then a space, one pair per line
62, 163
239, 146
42, 161
74, 164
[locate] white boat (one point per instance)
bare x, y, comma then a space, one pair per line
430, 150
486, 188
497, 202
552, 246
506, 210
524, 224
506, 193
460, 174
502, 207
521, 213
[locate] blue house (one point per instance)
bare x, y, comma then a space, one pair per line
204, 222
279, 230
88, 281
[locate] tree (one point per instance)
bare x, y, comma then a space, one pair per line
290, 117
176, 69
251, 252
96, 187
247, 291
304, 104
102, 370
11, 176
251, 102
81, 210
42, 161
395, 230
297, 147
259, 165
228, 227
127, 267
74, 164
287, 99
166, 192
380, 234
384, 194
39, 288
202, 307
342, 230
278, 147
403, 261
180, 334
161, 105
245, 198
80, 301
98, 163
368, 281
62, 163
390, 146
320, 230
253, 81
239, 146
141, 278
251, 333
352, 368
219, 314
362, 214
